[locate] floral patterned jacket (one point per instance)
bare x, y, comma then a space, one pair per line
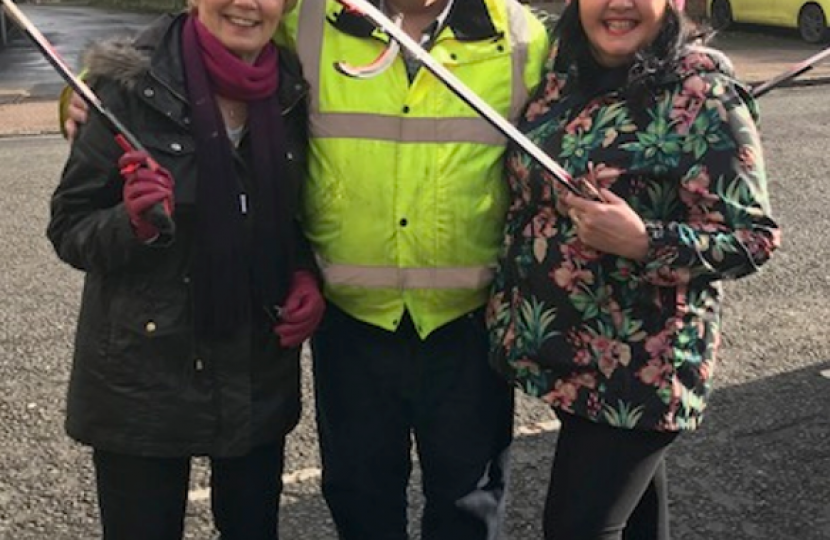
618, 341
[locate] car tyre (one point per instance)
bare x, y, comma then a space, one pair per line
721, 14
812, 24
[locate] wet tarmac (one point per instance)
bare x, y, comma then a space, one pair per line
25, 73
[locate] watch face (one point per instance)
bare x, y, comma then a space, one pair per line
655, 232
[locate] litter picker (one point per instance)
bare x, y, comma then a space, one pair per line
158, 214
793, 72
366, 9
400, 37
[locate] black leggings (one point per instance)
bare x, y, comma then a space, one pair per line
607, 483
144, 498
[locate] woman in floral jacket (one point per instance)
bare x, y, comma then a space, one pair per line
610, 310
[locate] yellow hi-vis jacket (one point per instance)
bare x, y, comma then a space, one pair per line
405, 198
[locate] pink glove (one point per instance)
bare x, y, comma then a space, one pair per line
302, 312
145, 185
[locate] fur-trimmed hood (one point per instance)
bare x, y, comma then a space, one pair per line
117, 59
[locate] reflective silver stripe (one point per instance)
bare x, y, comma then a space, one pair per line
310, 26
519, 39
406, 130
388, 277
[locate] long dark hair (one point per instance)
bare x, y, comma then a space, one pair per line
661, 57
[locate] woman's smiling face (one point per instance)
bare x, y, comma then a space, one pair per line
617, 29
243, 26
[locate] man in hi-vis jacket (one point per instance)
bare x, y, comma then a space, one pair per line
404, 208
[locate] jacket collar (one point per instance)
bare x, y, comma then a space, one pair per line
162, 42
472, 22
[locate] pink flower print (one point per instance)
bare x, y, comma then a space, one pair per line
544, 223
550, 94
549, 186
697, 62
611, 354
687, 104
695, 87
496, 300
536, 109
658, 345
601, 175
614, 309
578, 251
653, 373
553, 87
583, 357
517, 166
747, 157
581, 123
569, 277
758, 245
563, 394
695, 190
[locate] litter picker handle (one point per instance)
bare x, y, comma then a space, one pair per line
793, 72
158, 214
562, 176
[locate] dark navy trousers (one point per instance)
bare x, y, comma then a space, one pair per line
377, 393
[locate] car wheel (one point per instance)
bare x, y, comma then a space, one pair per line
812, 24
721, 14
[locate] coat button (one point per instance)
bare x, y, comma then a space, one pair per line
176, 147
198, 364
289, 156
149, 92
150, 327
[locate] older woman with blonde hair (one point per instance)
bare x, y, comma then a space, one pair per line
188, 344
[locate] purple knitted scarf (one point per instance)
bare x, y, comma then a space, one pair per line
231, 274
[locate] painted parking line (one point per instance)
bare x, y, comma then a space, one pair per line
296, 477
314, 473
825, 373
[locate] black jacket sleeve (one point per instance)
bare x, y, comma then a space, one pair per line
89, 226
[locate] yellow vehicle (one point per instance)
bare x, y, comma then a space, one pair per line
810, 17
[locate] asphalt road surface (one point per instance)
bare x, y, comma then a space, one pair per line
758, 469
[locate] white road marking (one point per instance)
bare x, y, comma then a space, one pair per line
314, 473
825, 373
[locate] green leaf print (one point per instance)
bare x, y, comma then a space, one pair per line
534, 324
623, 416
658, 147
706, 133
